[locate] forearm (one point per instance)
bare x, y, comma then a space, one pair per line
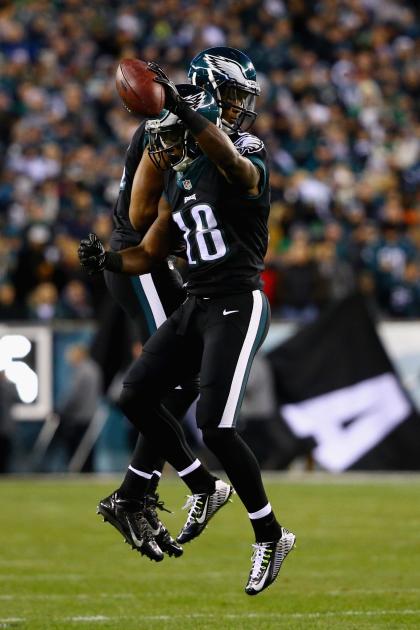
135, 260
219, 148
213, 142
132, 261
140, 259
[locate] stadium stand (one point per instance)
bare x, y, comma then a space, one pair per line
339, 115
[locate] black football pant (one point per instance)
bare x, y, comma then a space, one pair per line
148, 300
217, 337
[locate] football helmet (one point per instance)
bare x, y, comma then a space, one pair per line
171, 145
229, 75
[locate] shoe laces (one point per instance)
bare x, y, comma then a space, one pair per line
153, 502
143, 526
194, 504
260, 558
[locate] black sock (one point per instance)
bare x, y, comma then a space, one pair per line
200, 481
240, 465
154, 482
134, 486
267, 528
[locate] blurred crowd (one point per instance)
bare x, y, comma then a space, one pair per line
339, 113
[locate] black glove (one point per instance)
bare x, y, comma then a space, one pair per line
172, 97
94, 259
92, 254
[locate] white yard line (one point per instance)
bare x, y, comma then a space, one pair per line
87, 596
252, 616
370, 591
40, 577
53, 596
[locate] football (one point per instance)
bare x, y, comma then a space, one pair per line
137, 89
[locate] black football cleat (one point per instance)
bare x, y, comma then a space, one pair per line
201, 508
128, 518
160, 533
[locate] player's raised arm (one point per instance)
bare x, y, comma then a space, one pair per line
145, 194
212, 140
219, 148
136, 260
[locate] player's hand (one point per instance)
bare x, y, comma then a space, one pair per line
92, 254
158, 70
172, 97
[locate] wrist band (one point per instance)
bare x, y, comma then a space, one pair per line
113, 262
192, 119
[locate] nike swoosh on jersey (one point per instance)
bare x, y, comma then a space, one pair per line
225, 312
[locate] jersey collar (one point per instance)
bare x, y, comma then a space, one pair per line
188, 179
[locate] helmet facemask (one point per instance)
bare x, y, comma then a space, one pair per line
237, 107
171, 146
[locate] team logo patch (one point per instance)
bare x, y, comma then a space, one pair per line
247, 143
187, 184
190, 198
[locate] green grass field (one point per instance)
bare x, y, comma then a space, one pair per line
357, 562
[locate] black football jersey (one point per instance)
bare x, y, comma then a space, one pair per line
123, 232
225, 231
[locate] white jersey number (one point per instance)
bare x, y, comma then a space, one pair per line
204, 240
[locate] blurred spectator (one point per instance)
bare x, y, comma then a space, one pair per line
337, 273
33, 265
75, 302
387, 259
79, 402
9, 307
302, 289
43, 302
404, 293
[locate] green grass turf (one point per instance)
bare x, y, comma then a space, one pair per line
357, 562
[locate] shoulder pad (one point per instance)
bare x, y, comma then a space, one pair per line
247, 143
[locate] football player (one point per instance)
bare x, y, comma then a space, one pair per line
218, 196
149, 298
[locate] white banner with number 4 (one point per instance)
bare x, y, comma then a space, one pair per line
349, 422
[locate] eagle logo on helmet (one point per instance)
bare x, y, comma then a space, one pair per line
247, 143
232, 70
